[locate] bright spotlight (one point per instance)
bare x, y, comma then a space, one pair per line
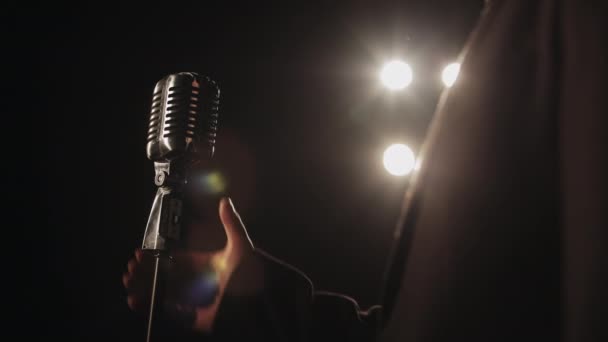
396, 75
450, 74
399, 160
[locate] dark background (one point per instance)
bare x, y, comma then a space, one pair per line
303, 124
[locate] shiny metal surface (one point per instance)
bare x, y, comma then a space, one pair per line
181, 131
183, 117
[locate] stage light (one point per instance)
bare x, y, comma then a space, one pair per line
396, 75
450, 74
399, 160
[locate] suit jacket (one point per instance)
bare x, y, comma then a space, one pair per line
504, 232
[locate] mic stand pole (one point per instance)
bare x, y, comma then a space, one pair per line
162, 235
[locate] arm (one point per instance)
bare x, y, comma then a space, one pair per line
285, 307
259, 297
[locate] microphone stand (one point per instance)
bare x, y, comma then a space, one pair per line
183, 115
155, 285
163, 233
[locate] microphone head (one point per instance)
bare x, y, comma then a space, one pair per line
183, 118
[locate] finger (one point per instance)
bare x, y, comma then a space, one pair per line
131, 266
142, 263
234, 227
137, 279
204, 318
137, 303
131, 281
139, 255
144, 258
131, 302
127, 279
135, 285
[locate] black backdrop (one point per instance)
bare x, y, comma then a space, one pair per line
303, 123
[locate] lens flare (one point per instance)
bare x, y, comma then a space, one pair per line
213, 182
396, 75
203, 288
399, 160
450, 74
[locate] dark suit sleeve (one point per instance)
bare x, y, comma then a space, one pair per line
269, 300
337, 317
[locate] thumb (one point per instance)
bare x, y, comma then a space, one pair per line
236, 234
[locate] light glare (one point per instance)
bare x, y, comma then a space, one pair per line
396, 75
399, 160
450, 74
213, 182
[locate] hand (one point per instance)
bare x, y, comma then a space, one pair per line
193, 274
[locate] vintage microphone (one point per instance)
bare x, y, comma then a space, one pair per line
181, 133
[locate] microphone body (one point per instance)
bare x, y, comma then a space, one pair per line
181, 133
